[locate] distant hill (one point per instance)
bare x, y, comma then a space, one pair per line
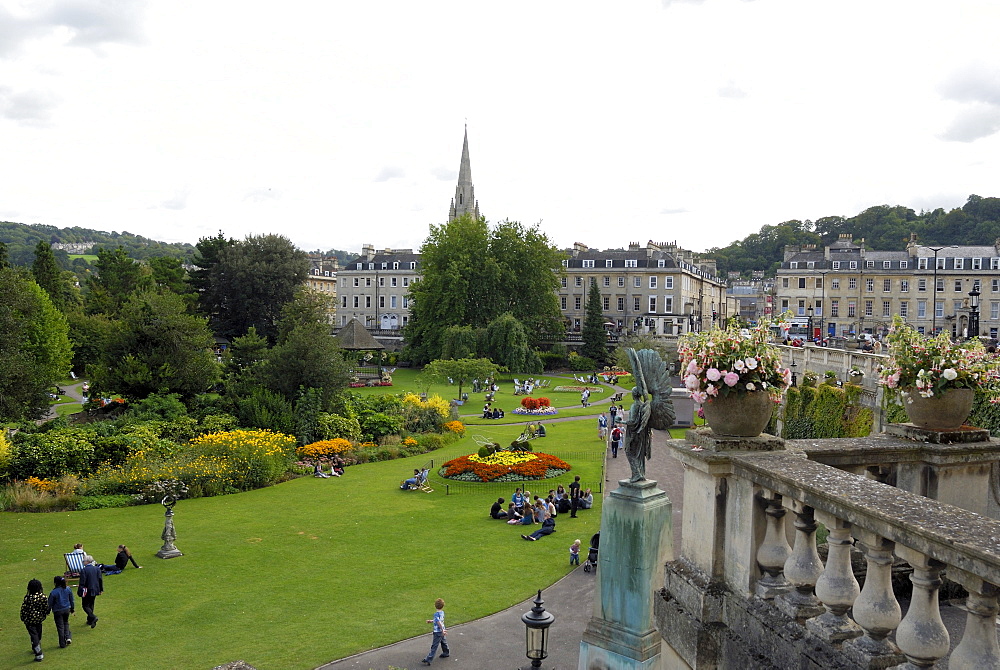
22, 238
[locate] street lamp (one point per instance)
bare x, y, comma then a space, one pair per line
809, 312
935, 291
974, 311
536, 626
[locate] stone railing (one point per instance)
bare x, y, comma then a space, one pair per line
742, 595
821, 359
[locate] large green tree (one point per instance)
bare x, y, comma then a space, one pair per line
309, 357
471, 274
118, 279
35, 350
595, 338
507, 345
156, 347
460, 371
248, 283
48, 274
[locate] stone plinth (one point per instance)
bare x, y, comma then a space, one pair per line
636, 541
963, 435
707, 439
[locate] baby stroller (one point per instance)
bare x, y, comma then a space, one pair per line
591, 562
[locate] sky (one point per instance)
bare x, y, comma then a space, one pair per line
340, 123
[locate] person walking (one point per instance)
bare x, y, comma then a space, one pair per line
91, 586
602, 427
61, 604
34, 609
439, 634
616, 441
574, 553
614, 411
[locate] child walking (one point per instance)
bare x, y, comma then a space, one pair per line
574, 553
439, 633
34, 609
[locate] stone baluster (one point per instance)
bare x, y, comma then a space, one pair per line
978, 648
774, 550
876, 610
921, 636
836, 587
803, 567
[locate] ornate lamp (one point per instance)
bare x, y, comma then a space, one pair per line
536, 625
974, 311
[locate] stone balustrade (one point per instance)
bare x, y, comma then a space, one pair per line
821, 359
741, 595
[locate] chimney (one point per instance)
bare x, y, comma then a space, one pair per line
368, 251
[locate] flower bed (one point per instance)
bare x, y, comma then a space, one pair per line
504, 466
578, 389
541, 411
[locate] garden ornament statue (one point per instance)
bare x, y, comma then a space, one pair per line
168, 550
651, 408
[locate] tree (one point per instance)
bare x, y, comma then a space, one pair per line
458, 342
309, 357
118, 279
48, 274
461, 371
306, 307
4, 256
470, 275
169, 275
507, 343
35, 351
595, 338
248, 283
156, 347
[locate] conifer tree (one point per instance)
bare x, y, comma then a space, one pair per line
594, 337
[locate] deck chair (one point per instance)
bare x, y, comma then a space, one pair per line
422, 481
74, 566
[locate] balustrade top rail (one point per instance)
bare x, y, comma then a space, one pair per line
946, 533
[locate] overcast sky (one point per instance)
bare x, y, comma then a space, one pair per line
339, 123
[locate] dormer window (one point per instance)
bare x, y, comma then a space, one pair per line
371, 266
631, 263
608, 263
588, 263
886, 265
413, 265
360, 266
794, 265
395, 265
385, 266
661, 263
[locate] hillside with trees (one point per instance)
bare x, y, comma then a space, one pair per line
883, 227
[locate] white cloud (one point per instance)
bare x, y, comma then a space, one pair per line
444, 174
97, 22
27, 107
977, 86
974, 121
731, 90
390, 172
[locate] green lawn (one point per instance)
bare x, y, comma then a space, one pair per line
298, 574
90, 258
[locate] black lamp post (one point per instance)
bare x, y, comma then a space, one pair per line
935, 289
809, 313
974, 312
536, 626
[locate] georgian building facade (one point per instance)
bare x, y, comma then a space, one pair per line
375, 286
658, 289
845, 289
322, 279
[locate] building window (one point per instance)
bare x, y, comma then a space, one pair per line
661, 263
835, 283
668, 283
784, 282
565, 263
836, 265
810, 265
921, 284
637, 282
995, 285
852, 283
562, 302
904, 285
869, 285
357, 281
371, 266
579, 281
652, 304
392, 281
922, 263
607, 303
576, 324
784, 305
995, 263
939, 308
343, 301
886, 309
608, 263
977, 263
406, 303
631, 263
395, 265
941, 263
588, 264
381, 302
381, 281
959, 263
975, 285
994, 311
921, 309
886, 265
368, 281
904, 309
868, 308
869, 264
819, 282
621, 281
564, 281
903, 265
368, 301
958, 286
652, 281
385, 266
834, 308
802, 308
886, 285
802, 282
576, 302
794, 265
360, 266
392, 302
607, 282
357, 301
668, 304
854, 265
406, 281
851, 310
635, 304
621, 304
939, 286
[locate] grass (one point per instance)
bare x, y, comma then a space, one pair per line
268, 573
90, 258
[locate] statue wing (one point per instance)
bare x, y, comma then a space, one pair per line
651, 376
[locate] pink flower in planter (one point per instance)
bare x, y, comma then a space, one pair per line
691, 383
713, 374
699, 397
731, 378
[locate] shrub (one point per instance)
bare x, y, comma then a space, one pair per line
324, 448
6, 453
544, 402
155, 406
376, 424
432, 441
529, 403
23, 497
259, 455
266, 410
103, 502
579, 363
53, 454
216, 423
335, 426
456, 427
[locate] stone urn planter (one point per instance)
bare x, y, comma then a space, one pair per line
942, 411
739, 414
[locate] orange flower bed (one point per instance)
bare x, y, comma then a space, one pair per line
497, 467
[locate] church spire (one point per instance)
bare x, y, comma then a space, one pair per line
464, 201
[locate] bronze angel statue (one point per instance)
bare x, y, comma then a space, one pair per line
651, 408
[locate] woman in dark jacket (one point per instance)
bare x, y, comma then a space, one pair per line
34, 609
121, 561
61, 604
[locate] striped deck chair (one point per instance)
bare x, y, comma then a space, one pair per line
74, 566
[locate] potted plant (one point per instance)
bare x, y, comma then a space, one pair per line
935, 377
856, 374
736, 375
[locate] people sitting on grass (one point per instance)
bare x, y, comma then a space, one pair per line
586, 500
337, 466
487, 411
412, 482
560, 492
497, 413
526, 518
518, 500
121, 562
318, 470
496, 511
548, 527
